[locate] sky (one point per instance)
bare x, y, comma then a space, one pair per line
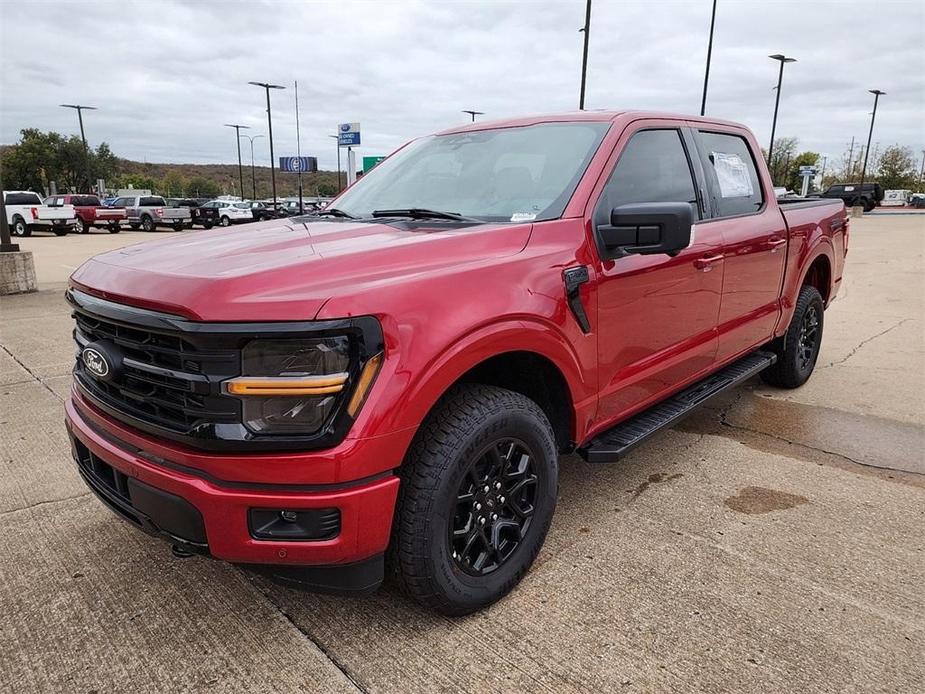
167, 75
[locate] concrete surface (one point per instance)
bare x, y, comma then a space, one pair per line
17, 272
775, 541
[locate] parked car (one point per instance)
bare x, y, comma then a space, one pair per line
404, 370
867, 196
206, 217
25, 213
90, 212
229, 212
896, 198
151, 211
917, 200
262, 212
291, 208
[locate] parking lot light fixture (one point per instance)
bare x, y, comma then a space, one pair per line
780, 78
267, 86
253, 172
877, 94
474, 114
237, 131
83, 138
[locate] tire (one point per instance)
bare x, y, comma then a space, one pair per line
114, 228
178, 227
134, 226
796, 358
207, 225
60, 231
20, 228
868, 204
82, 226
148, 224
225, 221
450, 459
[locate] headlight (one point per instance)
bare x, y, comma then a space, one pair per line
292, 386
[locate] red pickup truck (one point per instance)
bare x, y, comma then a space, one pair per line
391, 382
90, 212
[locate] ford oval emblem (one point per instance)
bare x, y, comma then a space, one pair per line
95, 361
345, 127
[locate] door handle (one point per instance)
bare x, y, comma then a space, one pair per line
776, 243
707, 262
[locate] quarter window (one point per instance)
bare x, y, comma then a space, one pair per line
730, 165
653, 167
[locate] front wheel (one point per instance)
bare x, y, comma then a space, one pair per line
82, 226
20, 228
796, 357
478, 492
225, 221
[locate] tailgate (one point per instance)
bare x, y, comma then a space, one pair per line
175, 213
46, 213
108, 213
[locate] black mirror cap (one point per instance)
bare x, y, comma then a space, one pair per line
647, 228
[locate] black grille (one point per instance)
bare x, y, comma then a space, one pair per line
163, 379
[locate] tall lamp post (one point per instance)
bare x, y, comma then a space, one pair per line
706, 74
474, 113
337, 137
237, 132
83, 138
253, 172
877, 94
780, 78
268, 87
584, 55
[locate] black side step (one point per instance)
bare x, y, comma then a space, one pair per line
613, 444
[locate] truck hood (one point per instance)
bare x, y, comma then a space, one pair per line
282, 270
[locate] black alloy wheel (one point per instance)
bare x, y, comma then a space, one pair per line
494, 507
809, 337
799, 348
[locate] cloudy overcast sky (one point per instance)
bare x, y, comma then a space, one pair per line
167, 75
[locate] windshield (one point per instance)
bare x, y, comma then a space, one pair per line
509, 174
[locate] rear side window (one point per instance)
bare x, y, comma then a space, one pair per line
653, 167
85, 201
735, 183
153, 202
22, 199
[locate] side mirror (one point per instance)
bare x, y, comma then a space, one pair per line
646, 228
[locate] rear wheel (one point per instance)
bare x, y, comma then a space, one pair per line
478, 493
868, 204
796, 358
147, 224
20, 228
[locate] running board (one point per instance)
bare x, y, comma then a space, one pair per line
613, 444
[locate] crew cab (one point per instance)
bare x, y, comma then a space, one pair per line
148, 212
397, 377
25, 213
90, 212
867, 195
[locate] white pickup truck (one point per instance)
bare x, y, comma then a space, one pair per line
25, 213
151, 211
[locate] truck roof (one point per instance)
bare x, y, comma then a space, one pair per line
578, 116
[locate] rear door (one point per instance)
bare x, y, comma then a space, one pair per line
656, 314
746, 216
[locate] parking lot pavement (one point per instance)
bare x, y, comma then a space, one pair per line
775, 541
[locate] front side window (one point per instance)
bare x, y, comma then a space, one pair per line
502, 175
653, 167
729, 162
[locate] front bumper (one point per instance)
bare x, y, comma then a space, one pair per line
207, 516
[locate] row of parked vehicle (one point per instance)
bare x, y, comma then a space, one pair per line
27, 212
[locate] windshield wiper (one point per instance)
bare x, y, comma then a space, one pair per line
423, 213
334, 212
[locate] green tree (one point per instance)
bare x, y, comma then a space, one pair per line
326, 189
173, 184
31, 164
896, 169
794, 180
200, 187
785, 149
136, 180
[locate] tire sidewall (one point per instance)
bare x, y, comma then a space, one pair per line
225, 221
812, 298
147, 224
19, 227
478, 591
82, 226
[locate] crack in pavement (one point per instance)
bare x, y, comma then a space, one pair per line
341, 667
43, 503
31, 373
864, 342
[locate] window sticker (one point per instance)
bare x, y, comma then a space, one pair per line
732, 174
523, 216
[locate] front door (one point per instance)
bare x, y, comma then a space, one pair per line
657, 314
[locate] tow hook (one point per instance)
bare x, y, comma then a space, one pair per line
180, 553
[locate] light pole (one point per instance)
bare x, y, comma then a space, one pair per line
877, 94
337, 137
780, 78
237, 132
584, 55
268, 87
474, 113
83, 138
706, 74
922, 174
253, 173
